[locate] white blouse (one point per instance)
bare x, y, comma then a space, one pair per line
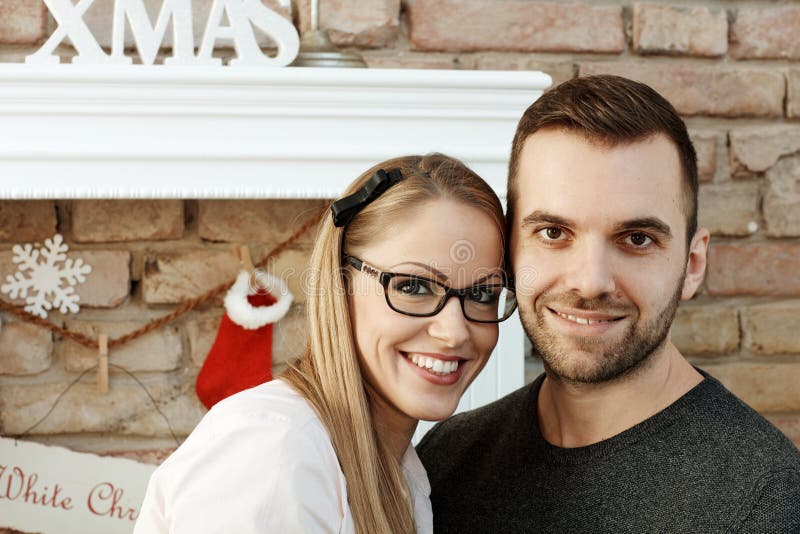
261, 461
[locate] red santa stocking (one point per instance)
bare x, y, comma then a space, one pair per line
241, 356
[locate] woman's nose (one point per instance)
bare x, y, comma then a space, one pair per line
450, 325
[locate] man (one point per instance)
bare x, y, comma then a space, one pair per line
621, 433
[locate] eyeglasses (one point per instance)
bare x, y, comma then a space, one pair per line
419, 296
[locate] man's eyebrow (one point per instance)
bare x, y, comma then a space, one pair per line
654, 224
540, 217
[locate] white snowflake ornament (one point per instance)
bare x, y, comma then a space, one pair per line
45, 279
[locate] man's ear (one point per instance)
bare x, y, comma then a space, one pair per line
696, 263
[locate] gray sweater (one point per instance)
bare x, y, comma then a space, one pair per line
707, 463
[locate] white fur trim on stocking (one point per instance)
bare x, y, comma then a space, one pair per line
252, 317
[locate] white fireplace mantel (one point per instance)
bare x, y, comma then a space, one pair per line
70, 131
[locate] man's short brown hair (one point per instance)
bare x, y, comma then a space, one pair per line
609, 110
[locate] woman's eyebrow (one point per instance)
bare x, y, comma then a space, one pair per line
483, 279
496, 274
433, 270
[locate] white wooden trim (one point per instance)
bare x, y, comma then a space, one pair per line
190, 132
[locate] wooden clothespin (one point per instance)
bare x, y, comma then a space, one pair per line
243, 252
102, 363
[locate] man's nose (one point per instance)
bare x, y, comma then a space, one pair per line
591, 271
449, 325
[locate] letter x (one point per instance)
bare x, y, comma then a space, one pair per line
70, 24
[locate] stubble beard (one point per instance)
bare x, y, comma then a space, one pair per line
636, 347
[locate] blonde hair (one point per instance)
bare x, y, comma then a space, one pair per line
329, 374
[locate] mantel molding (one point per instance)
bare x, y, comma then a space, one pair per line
72, 131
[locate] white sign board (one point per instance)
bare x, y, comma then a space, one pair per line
54, 490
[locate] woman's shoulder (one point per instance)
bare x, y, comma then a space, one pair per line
271, 403
271, 416
266, 446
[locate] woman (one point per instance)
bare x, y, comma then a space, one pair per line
327, 446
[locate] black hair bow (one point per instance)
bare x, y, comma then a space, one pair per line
346, 208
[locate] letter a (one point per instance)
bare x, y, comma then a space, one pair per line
240, 13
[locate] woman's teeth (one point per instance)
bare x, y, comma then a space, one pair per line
435, 365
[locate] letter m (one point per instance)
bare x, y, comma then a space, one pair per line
148, 38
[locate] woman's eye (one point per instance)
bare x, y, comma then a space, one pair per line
483, 295
551, 233
413, 287
639, 240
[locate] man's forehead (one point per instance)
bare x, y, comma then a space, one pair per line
566, 174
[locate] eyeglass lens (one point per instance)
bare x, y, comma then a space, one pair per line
419, 296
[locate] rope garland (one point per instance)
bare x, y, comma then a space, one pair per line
185, 307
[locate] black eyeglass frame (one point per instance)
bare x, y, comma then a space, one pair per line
385, 277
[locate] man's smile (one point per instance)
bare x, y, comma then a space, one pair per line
583, 322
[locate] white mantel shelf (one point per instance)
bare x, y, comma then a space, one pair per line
70, 131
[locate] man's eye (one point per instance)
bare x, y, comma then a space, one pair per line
639, 240
551, 233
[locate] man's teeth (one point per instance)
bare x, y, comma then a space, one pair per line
433, 364
581, 320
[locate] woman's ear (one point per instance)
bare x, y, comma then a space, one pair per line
696, 263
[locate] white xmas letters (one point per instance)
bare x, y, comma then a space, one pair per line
242, 16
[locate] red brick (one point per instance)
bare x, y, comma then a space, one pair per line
99, 19
107, 286
759, 269
257, 221
171, 278
126, 409
766, 32
729, 209
508, 25
290, 336
156, 351
201, 333
789, 424
372, 24
679, 30
754, 150
292, 267
712, 329
772, 328
704, 89
793, 90
25, 349
24, 221
768, 388
96, 221
782, 198
705, 144
393, 59
22, 21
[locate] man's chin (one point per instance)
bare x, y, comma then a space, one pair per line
581, 369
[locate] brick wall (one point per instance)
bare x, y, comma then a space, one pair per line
731, 68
